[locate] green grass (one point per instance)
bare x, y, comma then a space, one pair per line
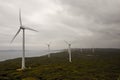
101, 65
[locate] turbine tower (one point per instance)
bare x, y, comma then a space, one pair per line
23, 28
69, 51
49, 49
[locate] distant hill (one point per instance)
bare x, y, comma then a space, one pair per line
103, 64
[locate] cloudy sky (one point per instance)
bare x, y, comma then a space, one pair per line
84, 23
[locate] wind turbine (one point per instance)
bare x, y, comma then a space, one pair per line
69, 51
23, 28
49, 49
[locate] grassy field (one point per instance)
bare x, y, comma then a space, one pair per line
103, 64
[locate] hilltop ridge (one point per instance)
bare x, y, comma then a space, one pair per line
103, 64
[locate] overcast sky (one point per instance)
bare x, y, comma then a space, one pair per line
84, 23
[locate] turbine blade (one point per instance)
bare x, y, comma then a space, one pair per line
15, 35
30, 29
66, 42
20, 17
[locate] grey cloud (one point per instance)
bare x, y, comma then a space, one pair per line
102, 12
84, 22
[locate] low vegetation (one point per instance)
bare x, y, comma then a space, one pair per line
103, 64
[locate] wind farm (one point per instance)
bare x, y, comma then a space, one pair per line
84, 35
102, 64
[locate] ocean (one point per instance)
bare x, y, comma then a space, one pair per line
11, 54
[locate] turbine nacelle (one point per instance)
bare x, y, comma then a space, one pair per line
48, 45
69, 44
22, 27
27, 28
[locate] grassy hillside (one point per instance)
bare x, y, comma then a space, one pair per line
104, 64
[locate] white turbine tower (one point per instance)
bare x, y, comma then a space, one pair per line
49, 49
23, 28
69, 51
